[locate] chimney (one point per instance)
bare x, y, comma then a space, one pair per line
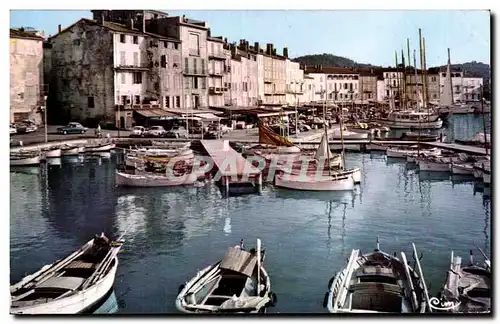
285, 52
246, 46
256, 46
59, 28
274, 51
209, 33
233, 49
269, 49
225, 40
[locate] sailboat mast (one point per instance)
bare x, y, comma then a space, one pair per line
397, 77
484, 121
426, 80
417, 93
403, 98
421, 64
342, 134
409, 60
448, 73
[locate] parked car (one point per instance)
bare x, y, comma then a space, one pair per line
177, 132
138, 131
155, 131
13, 129
72, 128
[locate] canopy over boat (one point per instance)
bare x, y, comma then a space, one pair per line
239, 261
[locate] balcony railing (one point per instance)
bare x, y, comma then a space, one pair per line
217, 56
215, 73
193, 71
137, 67
137, 106
216, 90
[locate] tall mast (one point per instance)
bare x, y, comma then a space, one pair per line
426, 80
409, 60
421, 64
448, 73
484, 122
341, 135
404, 79
417, 93
397, 77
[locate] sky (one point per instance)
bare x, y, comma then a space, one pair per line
365, 36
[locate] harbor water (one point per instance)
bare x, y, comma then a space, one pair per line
308, 236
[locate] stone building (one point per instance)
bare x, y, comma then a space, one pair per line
26, 76
274, 77
216, 70
91, 86
367, 86
294, 81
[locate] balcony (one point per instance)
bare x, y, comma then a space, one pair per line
215, 73
195, 72
217, 56
136, 67
137, 106
215, 90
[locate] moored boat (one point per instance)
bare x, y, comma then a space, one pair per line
462, 168
155, 180
68, 150
236, 284
69, 285
99, 147
315, 182
51, 153
24, 159
467, 288
433, 163
411, 120
377, 282
346, 134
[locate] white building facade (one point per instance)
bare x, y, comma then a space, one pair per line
216, 71
457, 85
294, 83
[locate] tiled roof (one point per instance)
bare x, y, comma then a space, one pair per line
16, 33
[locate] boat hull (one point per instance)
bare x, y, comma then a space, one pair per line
52, 153
461, 169
412, 125
132, 180
29, 161
376, 147
77, 302
310, 184
100, 148
433, 167
70, 151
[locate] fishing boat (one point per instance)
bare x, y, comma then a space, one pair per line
69, 285
137, 157
411, 120
403, 152
51, 152
467, 288
236, 284
433, 163
363, 128
323, 182
99, 147
377, 282
412, 157
171, 145
346, 134
271, 143
414, 136
69, 150
25, 159
462, 168
155, 180
372, 146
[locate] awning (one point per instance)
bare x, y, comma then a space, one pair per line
156, 113
208, 116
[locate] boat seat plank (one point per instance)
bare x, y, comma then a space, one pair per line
69, 283
77, 264
239, 261
375, 271
376, 287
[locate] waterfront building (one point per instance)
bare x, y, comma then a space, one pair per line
381, 91
216, 70
367, 86
307, 94
393, 83
274, 77
433, 86
26, 75
334, 84
294, 81
472, 88
91, 86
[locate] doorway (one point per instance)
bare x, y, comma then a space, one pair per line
196, 101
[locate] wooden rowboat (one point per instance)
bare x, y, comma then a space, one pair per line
70, 285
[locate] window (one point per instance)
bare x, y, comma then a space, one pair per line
195, 83
122, 38
443, 75
136, 39
90, 102
123, 60
194, 65
176, 46
178, 101
187, 83
433, 79
194, 44
163, 61
165, 44
137, 77
310, 87
124, 78
186, 64
203, 83
202, 66
137, 100
167, 81
212, 48
76, 42
125, 100
369, 95
387, 93
167, 102
350, 87
434, 96
345, 86
136, 59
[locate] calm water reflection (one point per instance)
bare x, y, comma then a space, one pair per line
176, 231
